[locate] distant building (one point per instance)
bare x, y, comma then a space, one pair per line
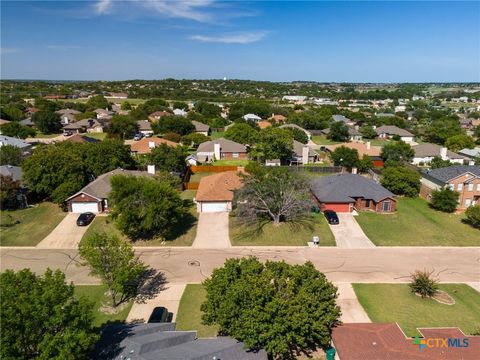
424, 153
389, 131
252, 117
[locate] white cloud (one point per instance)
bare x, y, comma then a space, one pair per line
233, 38
103, 7
191, 9
4, 50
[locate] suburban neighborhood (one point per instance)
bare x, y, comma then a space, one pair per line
202, 217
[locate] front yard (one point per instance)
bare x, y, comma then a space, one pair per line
416, 224
29, 226
99, 296
283, 235
184, 235
396, 303
189, 316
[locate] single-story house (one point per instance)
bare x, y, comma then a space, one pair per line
77, 138
345, 120
424, 153
67, 116
157, 115
346, 192
161, 341
19, 143
221, 149
144, 127
85, 125
201, 128
278, 118
264, 124
385, 115
362, 149
251, 117
103, 113
302, 154
215, 192
353, 134
389, 131
470, 153
461, 178
94, 196
360, 341
295, 126
114, 95
179, 112
146, 145
192, 160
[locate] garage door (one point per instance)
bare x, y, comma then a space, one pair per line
81, 207
214, 207
341, 208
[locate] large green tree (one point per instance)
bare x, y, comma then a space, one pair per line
288, 310
441, 129
122, 126
10, 155
98, 102
144, 207
242, 133
344, 156
298, 135
401, 180
459, 142
397, 152
168, 158
273, 143
473, 216
48, 122
41, 318
106, 156
14, 129
173, 124
338, 132
8, 192
113, 260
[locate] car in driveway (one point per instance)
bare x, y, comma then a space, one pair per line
159, 314
331, 217
138, 137
85, 218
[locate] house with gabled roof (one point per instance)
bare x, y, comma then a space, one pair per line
215, 192
221, 149
201, 128
389, 131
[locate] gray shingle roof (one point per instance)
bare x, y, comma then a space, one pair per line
295, 126
450, 172
200, 127
15, 172
8, 140
342, 118
298, 149
343, 188
162, 342
392, 130
432, 150
225, 146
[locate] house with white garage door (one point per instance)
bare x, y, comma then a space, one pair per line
215, 192
94, 197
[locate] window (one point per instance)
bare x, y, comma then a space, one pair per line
470, 187
235, 155
367, 203
452, 186
478, 187
468, 202
386, 205
460, 187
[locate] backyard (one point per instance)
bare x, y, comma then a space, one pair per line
416, 224
322, 140
231, 162
386, 303
189, 316
27, 227
283, 235
99, 296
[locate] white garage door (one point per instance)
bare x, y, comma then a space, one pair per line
214, 207
81, 207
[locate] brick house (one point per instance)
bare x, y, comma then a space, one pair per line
220, 149
462, 178
347, 192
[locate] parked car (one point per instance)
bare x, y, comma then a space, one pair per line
331, 216
67, 133
159, 314
85, 218
138, 137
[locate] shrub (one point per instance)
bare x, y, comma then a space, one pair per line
473, 216
423, 284
444, 200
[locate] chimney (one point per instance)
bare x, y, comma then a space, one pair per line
305, 152
369, 145
151, 169
151, 144
443, 153
354, 170
216, 151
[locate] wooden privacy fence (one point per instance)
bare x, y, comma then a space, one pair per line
210, 168
318, 169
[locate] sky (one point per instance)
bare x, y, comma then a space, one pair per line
352, 41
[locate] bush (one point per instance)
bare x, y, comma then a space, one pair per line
473, 216
444, 200
172, 137
423, 284
401, 180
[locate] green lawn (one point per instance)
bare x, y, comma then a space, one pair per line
99, 296
96, 135
189, 315
46, 136
184, 237
188, 194
29, 226
217, 135
198, 176
416, 224
322, 140
231, 162
395, 303
283, 235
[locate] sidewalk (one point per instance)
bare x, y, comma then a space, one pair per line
352, 311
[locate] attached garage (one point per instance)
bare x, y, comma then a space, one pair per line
214, 206
81, 207
338, 207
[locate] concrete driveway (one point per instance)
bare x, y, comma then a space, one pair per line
66, 235
212, 231
348, 234
352, 311
169, 298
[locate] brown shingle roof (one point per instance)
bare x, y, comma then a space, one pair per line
278, 117
218, 187
359, 146
388, 342
200, 127
392, 130
143, 146
226, 146
264, 124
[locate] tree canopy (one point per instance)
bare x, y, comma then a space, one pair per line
459, 142
14, 129
42, 318
285, 309
10, 155
344, 156
401, 180
397, 152
168, 158
242, 133
338, 132
273, 143
122, 126
48, 122
445, 200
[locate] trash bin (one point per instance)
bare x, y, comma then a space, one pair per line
330, 352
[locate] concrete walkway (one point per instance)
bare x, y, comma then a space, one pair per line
352, 311
169, 298
349, 235
212, 231
66, 235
